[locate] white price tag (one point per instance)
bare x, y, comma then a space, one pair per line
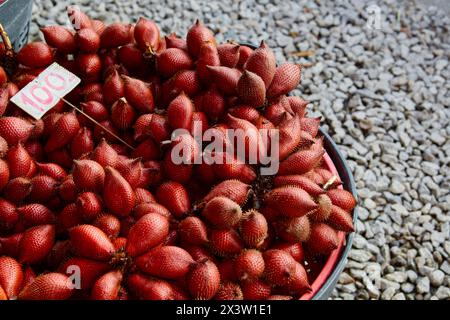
44, 92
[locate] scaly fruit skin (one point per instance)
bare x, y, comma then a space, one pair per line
35, 55
90, 242
208, 56
300, 181
229, 291
294, 229
113, 88
340, 219
256, 290
322, 240
280, 266
4, 174
251, 89
15, 130
203, 280
168, 262
109, 224
262, 62
60, 38
253, 228
146, 34
89, 205
299, 280
225, 242
301, 161
17, 189
11, 276
234, 190
222, 212
174, 197
90, 270
36, 244
286, 79
146, 288
88, 40
180, 112
50, 286
322, 213
65, 129
192, 230
172, 60
342, 198
35, 214
19, 162
149, 231
197, 35
78, 18
122, 114
290, 201
226, 79
105, 155
107, 286
8, 215
249, 265
117, 193
115, 35
88, 175
82, 143
138, 94
294, 249
43, 188
229, 54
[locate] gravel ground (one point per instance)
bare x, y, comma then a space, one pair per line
385, 97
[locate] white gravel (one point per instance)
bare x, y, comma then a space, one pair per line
385, 96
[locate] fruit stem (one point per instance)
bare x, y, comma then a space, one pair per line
9, 60
329, 183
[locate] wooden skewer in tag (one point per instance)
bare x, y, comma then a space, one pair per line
99, 124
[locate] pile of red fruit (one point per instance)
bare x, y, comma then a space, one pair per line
129, 221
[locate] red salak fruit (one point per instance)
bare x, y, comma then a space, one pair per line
173, 41
131, 57
78, 18
159, 128
35, 149
149, 231
82, 143
120, 243
300, 181
4, 174
69, 217
326, 176
203, 280
90, 270
232, 168
90, 242
117, 193
15, 130
89, 205
340, 219
43, 188
11, 276
17, 189
225, 242
3, 147
226, 79
115, 35
65, 129
180, 111
290, 136
88, 40
59, 253
197, 35
36, 244
138, 94
278, 110
262, 62
98, 26
109, 224
279, 267
105, 155
299, 280
122, 114
286, 79
168, 262
301, 161
147, 150
253, 228
298, 105
208, 56
90, 66
146, 288
147, 35
229, 54
49, 286
222, 213
245, 112
172, 60
234, 190
144, 208
192, 230
143, 196
342, 198
141, 125
52, 170
229, 291
35, 55
35, 214
255, 290
19, 162
249, 265
113, 88
8, 215
251, 89
185, 81
310, 125
88, 175
322, 240
67, 190
293, 230
90, 92
131, 170
227, 270
294, 249
174, 197
212, 103
10, 245
290, 201
107, 286
244, 53
60, 38
322, 213
199, 120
